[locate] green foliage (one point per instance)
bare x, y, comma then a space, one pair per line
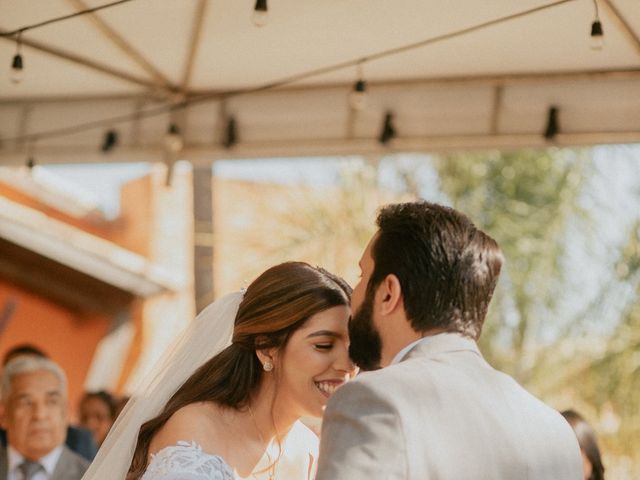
525, 200
528, 201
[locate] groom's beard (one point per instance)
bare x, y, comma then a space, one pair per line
365, 348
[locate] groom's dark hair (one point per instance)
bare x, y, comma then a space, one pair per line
447, 268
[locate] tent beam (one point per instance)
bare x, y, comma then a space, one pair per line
194, 43
623, 25
505, 80
125, 47
85, 62
205, 153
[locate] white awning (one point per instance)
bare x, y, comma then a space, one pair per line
81, 251
483, 74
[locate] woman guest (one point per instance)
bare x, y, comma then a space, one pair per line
591, 460
97, 414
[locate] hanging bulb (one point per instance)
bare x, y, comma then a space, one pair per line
17, 65
597, 35
260, 15
358, 95
31, 162
231, 137
110, 141
173, 140
388, 130
17, 69
553, 126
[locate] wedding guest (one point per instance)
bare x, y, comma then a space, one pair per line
22, 349
97, 413
34, 395
77, 439
591, 459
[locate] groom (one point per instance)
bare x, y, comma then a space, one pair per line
436, 409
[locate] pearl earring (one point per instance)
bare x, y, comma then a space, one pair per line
267, 366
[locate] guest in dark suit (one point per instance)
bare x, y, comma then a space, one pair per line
34, 396
78, 439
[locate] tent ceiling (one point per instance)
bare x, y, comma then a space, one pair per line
489, 87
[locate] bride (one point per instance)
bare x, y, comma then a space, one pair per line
226, 402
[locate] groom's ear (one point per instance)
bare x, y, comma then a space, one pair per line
390, 294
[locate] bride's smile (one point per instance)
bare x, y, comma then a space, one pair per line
328, 387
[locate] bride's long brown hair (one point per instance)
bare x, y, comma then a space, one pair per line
275, 305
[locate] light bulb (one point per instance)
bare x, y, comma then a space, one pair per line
173, 140
260, 18
597, 36
260, 15
358, 96
17, 69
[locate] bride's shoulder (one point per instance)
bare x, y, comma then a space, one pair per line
192, 423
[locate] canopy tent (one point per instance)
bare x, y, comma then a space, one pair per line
453, 74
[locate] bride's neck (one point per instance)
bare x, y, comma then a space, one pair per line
272, 417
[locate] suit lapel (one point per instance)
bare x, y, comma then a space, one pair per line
64, 466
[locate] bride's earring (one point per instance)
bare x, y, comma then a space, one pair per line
267, 366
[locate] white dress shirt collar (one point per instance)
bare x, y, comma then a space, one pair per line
440, 342
402, 353
48, 462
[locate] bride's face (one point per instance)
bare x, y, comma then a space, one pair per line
315, 362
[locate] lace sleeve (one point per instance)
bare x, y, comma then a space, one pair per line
186, 461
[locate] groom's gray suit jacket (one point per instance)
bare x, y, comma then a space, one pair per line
70, 466
443, 413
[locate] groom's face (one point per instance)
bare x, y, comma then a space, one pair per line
365, 348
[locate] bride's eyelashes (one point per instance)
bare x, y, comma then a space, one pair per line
323, 346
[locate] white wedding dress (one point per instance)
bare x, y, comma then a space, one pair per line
187, 461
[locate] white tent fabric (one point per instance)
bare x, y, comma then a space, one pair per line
489, 87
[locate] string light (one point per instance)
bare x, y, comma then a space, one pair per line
552, 127
110, 141
597, 34
231, 137
173, 140
260, 15
64, 17
388, 130
206, 97
358, 95
17, 66
30, 162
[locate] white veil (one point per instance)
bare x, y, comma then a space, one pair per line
206, 336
